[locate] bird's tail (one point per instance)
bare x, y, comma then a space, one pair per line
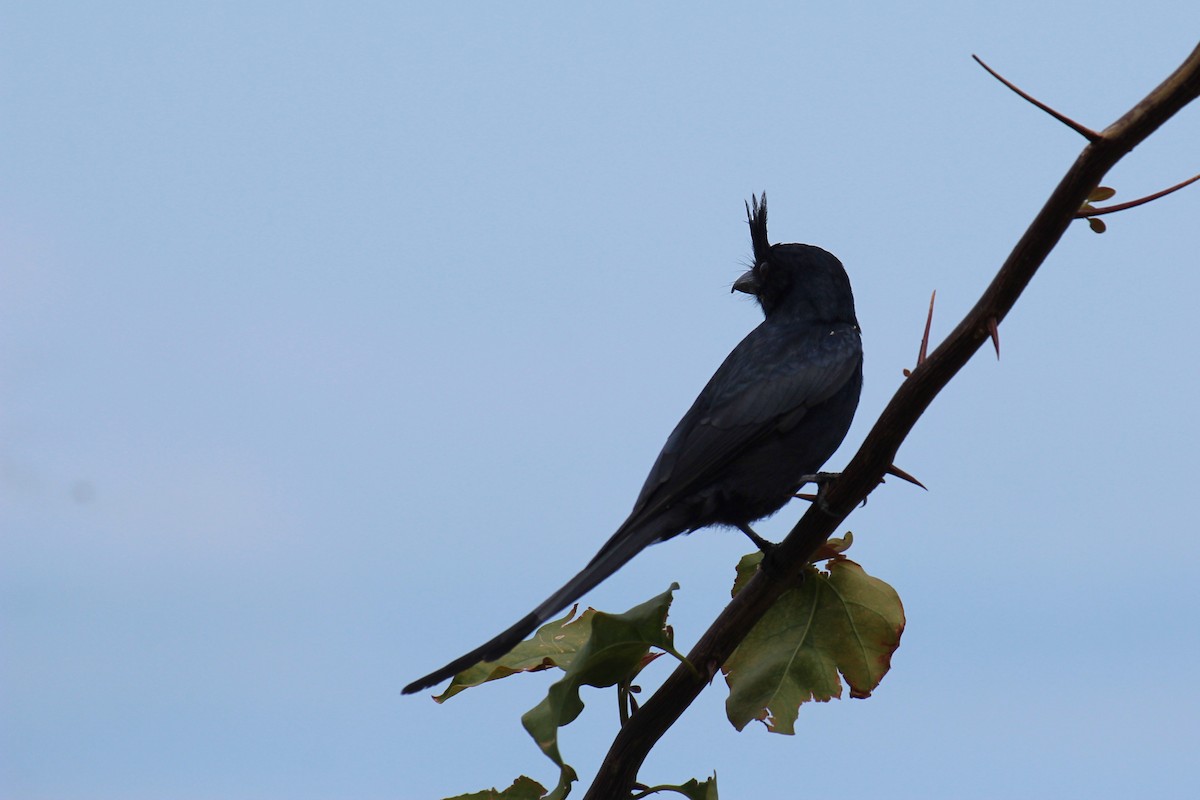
628, 541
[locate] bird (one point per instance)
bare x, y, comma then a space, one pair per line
771, 415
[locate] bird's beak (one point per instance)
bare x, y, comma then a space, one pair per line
748, 283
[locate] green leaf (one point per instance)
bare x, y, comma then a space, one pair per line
615, 652
522, 789
554, 645
746, 567
1100, 194
834, 546
692, 789
1097, 224
842, 621
566, 776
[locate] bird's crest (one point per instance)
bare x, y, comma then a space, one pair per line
756, 214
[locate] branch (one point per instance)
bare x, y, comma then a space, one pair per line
633, 742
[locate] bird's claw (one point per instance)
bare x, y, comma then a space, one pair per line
822, 480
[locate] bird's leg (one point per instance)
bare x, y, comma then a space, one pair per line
759, 542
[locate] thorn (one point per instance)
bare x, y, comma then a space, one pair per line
923, 351
1088, 211
1082, 130
994, 331
902, 475
925, 337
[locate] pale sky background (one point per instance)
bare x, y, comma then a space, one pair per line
334, 336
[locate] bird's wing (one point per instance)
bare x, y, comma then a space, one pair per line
764, 387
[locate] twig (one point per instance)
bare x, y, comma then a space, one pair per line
1091, 211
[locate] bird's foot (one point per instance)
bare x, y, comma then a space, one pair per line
769, 561
822, 480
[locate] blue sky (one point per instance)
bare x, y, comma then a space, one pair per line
333, 337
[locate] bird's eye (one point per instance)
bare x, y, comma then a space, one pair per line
762, 269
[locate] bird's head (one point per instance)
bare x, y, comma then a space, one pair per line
794, 281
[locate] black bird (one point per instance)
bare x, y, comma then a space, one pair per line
773, 412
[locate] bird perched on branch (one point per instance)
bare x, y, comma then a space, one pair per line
770, 416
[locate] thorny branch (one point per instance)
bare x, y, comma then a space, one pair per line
618, 772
